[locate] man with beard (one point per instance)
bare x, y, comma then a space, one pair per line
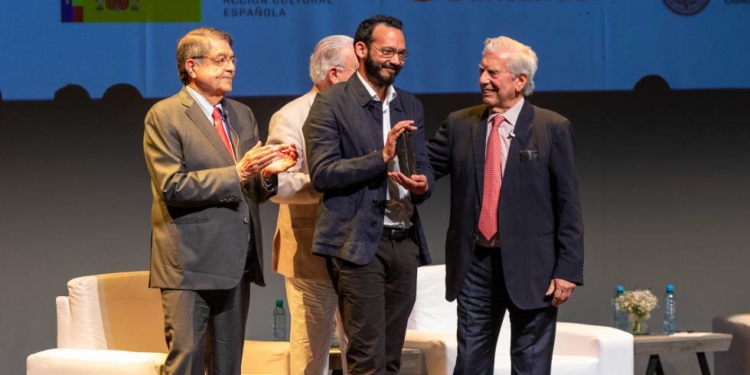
368, 229
515, 237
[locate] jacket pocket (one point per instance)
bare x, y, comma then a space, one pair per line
196, 220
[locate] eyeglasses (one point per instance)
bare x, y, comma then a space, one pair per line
221, 61
344, 69
387, 53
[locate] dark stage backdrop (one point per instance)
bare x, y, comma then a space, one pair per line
664, 185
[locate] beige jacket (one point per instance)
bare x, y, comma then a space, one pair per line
298, 201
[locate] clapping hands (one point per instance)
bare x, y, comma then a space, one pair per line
268, 160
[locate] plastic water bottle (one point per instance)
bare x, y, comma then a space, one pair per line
670, 311
621, 316
279, 321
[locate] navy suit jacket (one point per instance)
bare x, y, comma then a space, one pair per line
539, 215
344, 144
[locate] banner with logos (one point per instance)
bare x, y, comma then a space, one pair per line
583, 45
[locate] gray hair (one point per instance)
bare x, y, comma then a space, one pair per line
327, 53
196, 43
519, 58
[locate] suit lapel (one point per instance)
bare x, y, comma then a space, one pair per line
370, 126
196, 115
234, 126
479, 142
522, 131
397, 111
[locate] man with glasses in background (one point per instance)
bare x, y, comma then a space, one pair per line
312, 300
208, 173
367, 228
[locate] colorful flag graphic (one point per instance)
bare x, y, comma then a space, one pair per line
104, 11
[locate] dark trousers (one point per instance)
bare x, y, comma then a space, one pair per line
375, 301
205, 329
482, 303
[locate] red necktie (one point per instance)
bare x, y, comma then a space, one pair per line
492, 180
219, 127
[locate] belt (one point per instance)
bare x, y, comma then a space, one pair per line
396, 234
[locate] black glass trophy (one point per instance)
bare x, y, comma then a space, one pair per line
407, 160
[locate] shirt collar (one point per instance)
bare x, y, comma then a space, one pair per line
205, 106
511, 115
389, 95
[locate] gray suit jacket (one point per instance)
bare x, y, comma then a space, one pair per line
344, 143
539, 213
205, 223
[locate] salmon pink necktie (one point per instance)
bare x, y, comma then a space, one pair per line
492, 181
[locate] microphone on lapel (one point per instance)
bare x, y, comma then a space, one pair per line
225, 115
511, 135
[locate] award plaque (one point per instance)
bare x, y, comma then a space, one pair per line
407, 160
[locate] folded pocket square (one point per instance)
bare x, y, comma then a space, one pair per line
528, 155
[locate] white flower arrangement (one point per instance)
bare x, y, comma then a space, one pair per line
638, 303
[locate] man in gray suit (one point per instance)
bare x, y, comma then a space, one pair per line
208, 173
368, 228
515, 237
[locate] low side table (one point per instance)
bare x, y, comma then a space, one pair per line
697, 342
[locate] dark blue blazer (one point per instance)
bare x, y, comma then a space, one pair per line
344, 143
539, 214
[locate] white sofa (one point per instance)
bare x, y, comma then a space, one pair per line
580, 349
114, 324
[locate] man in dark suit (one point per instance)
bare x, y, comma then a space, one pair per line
515, 237
367, 224
205, 241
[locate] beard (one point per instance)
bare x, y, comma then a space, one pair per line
375, 73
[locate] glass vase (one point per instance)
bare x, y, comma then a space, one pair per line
638, 324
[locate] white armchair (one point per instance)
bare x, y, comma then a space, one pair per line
580, 349
114, 324
735, 361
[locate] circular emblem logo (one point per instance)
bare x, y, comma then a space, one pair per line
686, 7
